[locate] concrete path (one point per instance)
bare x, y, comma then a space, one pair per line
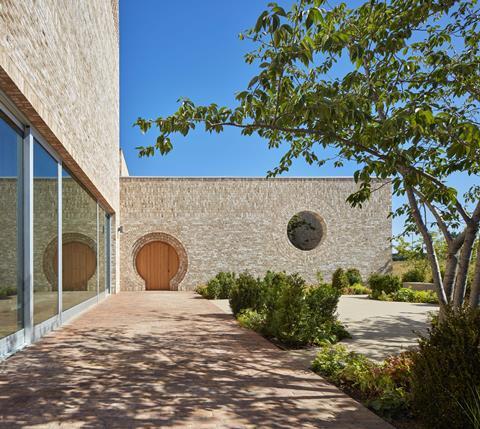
166, 360
378, 328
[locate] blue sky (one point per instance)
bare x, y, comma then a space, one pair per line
170, 50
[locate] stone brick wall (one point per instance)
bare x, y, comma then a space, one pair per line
59, 65
79, 220
240, 224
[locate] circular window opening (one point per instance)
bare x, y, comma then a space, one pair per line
305, 230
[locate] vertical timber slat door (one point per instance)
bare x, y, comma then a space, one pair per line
157, 263
79, 263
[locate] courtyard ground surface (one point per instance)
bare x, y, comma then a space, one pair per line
166, 359
378, 328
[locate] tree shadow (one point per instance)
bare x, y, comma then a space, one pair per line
166, 360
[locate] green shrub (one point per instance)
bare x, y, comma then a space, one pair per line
353, 276
409, 295
382, 387
248, 292
287, 315
202, 290
219, 287
322, 324
425, 296
356, 289
386, 283
445, 369
283, 307
251, 319
471, 406
331, 360
404, 295
340, 279
414, 275
223, 284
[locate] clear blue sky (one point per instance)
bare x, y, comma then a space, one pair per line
171, 49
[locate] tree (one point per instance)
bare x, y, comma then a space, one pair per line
393, 86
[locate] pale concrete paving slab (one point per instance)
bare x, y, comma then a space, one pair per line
166, 360
378, 328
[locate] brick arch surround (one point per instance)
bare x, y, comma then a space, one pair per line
172, 241
51, 250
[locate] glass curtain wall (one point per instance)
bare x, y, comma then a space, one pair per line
79, 249
102, 249
45, 232
84, 226
11, 268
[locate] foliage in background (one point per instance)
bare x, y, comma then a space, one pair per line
446, 370
414, 275
7, 291
219, 287
393, 86
340, 279
383, 283
353, 276
356, 289
409, 295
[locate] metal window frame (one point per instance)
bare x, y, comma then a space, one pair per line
36, 331
29, 332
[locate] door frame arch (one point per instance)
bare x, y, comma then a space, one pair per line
172, 241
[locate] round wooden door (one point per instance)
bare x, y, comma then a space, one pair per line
157, 262
79, 264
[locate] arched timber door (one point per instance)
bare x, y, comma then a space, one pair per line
157, 262
79, 263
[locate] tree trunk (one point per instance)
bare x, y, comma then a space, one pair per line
431, 254
451, 264
463, 263
475, 292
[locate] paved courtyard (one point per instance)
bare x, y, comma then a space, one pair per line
166, 359
378, 328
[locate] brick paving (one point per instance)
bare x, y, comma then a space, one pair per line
166, 360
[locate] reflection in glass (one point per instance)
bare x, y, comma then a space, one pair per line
79, 250
11, 314
45, 229
102, 251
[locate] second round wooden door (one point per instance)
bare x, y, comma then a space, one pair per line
157, 263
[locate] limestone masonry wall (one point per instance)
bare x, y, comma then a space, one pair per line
236, 224
59, 65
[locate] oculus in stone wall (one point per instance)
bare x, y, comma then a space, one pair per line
306, 230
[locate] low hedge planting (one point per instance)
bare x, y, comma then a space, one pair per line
247, 293
409, 295
385, 387
340, 279
356, 289
414, 275
354, 276
434, 386
383, 283
219, 287
282, 307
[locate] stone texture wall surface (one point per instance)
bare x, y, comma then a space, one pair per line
59, 66
79, 221
235, 224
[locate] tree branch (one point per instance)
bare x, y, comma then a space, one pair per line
431, 253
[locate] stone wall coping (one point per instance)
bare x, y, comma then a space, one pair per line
244, 178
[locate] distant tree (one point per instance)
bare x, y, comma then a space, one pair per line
391, 85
